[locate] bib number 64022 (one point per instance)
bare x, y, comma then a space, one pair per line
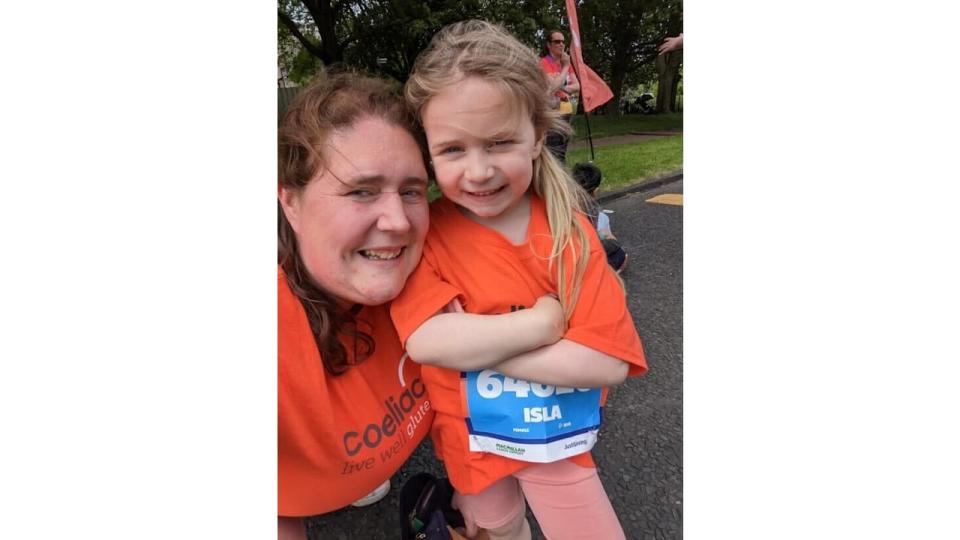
489, 386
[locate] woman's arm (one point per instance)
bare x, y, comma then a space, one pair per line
574, 87
558, 81
671, 44
566, 363
467, 341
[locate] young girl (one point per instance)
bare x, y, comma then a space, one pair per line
506, 237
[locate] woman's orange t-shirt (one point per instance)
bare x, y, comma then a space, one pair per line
339, 437
463, 259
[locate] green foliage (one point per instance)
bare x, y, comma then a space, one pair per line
384, 37
626, 164
304, 67
359, 32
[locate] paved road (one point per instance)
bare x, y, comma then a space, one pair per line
640, 452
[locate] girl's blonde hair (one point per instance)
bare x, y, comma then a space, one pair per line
487, 51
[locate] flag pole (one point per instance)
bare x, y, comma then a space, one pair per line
586, 113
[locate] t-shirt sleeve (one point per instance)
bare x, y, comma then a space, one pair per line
423, 296
601, 319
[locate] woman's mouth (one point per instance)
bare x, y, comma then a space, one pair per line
381, 254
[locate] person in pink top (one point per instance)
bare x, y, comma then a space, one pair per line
563, 86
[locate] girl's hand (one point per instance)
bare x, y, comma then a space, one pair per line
550, 315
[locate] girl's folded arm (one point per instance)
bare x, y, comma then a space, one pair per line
566, 363
467, 341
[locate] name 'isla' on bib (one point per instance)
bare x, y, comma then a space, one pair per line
541, 414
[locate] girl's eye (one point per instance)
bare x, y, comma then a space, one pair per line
451, 150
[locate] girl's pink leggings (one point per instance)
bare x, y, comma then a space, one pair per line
567, 499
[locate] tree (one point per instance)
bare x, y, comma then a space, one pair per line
384, 37
668, 72
313, 24
621, 37
668, 65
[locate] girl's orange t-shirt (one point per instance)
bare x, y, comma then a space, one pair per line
489, 275
339, 437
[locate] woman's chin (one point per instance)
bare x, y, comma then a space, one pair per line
376, 296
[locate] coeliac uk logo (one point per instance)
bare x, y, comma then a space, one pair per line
403, 414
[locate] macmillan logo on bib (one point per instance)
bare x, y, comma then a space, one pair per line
515, 450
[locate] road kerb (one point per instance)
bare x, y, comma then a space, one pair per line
641, 186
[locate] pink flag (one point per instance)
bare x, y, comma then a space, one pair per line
593, 90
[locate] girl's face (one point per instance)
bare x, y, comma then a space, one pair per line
482, 148
361, 222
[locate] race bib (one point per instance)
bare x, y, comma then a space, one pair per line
529, 421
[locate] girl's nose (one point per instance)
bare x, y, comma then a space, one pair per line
478, 168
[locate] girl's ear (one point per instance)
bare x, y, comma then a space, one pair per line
290, 205
538, 146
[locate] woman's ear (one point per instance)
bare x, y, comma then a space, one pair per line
290, 205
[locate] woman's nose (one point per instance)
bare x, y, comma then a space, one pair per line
393, 214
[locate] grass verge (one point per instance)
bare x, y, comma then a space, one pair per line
606, 126
626, 164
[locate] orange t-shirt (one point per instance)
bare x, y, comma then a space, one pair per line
490, 275
339, 437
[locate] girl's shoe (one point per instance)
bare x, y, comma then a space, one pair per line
374, 495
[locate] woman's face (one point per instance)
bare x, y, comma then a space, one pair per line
361, 221
556, 44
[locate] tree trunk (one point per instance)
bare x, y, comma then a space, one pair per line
616, 86
668, 72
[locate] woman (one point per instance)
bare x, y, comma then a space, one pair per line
353, 216
563, 86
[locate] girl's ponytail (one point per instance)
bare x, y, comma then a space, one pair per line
564, 199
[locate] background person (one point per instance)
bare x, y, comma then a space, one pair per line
672, 44
563, 86
353, 216
589, 177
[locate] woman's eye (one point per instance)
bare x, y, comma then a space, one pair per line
361, 194
412, 195
503, 142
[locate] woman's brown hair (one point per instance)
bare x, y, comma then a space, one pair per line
335, 102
